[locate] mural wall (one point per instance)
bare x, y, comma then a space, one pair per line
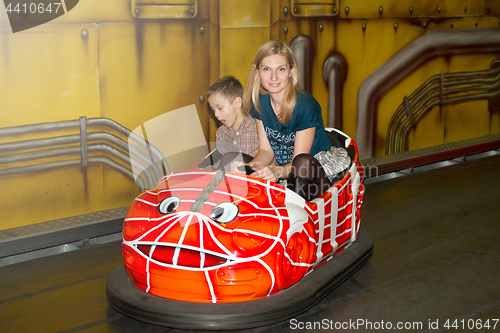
131, 61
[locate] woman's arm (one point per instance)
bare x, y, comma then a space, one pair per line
303, 143
265, 155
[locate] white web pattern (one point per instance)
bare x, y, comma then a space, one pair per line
210, 228
207, 226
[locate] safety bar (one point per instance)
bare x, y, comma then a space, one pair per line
431, 44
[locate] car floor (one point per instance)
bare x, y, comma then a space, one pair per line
436, 260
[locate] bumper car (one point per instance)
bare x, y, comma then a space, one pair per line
218, 250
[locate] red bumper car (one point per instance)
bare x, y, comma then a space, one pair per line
214, 250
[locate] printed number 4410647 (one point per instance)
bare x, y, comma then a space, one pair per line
33, 8
471, 324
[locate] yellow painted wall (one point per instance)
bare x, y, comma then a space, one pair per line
132, 69
125, 69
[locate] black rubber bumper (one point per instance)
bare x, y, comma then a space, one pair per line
126, 298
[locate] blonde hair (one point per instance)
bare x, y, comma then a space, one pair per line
254, 87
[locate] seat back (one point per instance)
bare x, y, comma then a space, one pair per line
339, 140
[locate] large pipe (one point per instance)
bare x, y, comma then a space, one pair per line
302, 47
431, 44
334, 74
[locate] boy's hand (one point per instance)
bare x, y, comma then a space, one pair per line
247, 168
240, 167
235, 167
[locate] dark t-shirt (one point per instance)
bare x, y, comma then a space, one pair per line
307, 114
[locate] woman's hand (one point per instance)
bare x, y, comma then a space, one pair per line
267, 173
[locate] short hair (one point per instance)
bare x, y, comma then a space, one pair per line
228, 86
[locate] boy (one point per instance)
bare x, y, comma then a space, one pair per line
238, 133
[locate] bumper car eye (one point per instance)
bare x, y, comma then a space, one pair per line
224, 212
169, 205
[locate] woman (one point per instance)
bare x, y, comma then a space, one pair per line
292, 140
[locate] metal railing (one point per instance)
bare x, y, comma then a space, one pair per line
104, 142
439, 90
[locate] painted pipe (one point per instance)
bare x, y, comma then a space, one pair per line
83, 142
334, 75
431, 44
302, 47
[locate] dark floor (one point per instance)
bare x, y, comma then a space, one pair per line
436, 257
